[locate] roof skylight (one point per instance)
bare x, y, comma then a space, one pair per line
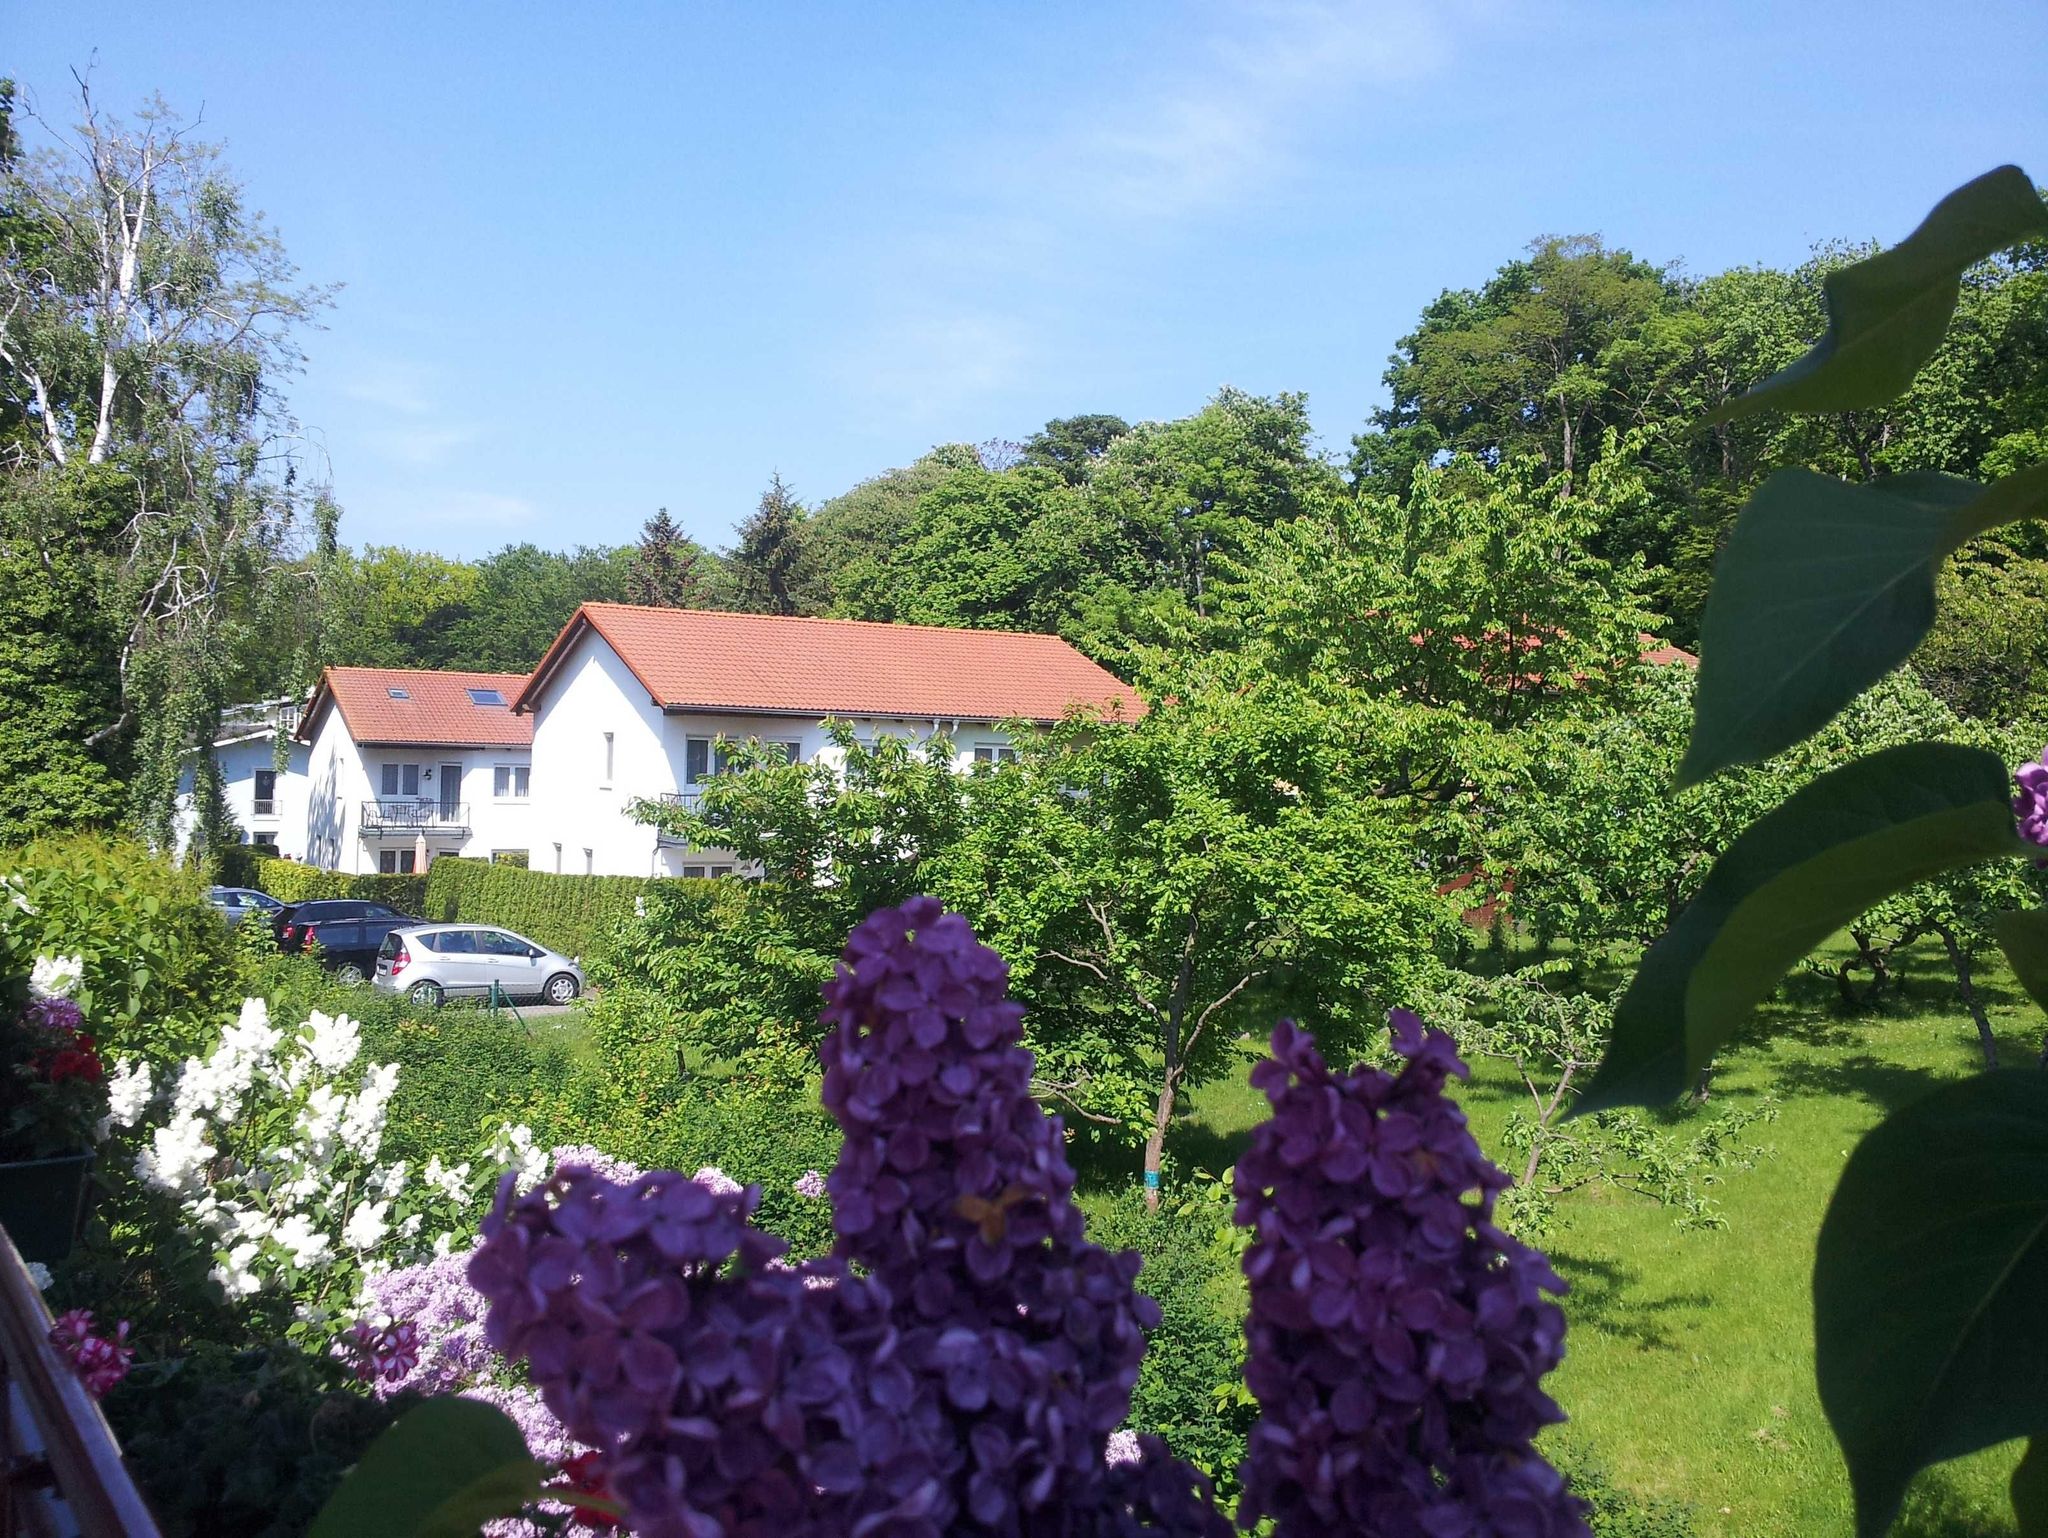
399, 694
486, 697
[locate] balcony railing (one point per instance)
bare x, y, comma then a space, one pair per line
263, 806
686, 799
388, 817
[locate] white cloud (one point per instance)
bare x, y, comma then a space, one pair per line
474, 509
408, 423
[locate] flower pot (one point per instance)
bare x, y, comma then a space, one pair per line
42, 1204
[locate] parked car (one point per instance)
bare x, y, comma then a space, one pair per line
238, 902
346, 931
431, 962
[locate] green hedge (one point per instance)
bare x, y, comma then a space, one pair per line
290, 882
573, 914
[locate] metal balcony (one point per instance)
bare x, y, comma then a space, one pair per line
388, 818
686, 799
263, 806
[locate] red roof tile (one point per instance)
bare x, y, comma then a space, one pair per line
435, 710
694, 659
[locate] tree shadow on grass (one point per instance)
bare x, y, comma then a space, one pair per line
1865, 1076
1939, 1506
1608, 1298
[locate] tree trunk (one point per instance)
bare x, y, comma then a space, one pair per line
1155, 1145
1959, 960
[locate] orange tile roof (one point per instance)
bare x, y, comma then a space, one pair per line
694, 659
435, 712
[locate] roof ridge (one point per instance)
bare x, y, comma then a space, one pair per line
831, 619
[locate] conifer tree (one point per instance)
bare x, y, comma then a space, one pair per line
664, 572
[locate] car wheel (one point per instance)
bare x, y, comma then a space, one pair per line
561, 989
426, 995
350, 974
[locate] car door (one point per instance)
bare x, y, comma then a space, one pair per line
509, 962
458, 967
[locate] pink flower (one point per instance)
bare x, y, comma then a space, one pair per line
100, 1361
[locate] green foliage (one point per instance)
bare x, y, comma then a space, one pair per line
575, 915
1982, 656
1887, 315
1927, 1286
395, 608
1188, 1390
241, 1444
1836, 847
664, 571
1616, 1512
158, 958
289, 881
441, 1470
770, 566
463, 1071
1824, 589
2030, 1490
2023, 936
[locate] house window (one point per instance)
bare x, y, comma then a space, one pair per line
693, 873
792, 752
716, 872
401, 779
702, 758
266, 793
267, 842
509, 782
607, 758
989, 754
394, 862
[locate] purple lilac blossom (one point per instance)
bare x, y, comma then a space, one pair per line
953, 1190
436, 1299
1397, 1338
597, 1159
2030, 806
810, 1183
57, 1015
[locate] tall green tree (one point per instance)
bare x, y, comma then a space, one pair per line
1071, 447
149, 323
770, 562
664, 573
525, 595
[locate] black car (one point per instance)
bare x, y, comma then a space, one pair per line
346, 931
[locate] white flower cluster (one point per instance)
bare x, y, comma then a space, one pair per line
271, 1146
54, 977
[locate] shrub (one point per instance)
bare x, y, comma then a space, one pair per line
245, 1444
1617, 1513
290, 882
158, 959
461, 1072
573, 914
1194, 1358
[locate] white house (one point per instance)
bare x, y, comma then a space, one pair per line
267, 803
407, 765
629, 701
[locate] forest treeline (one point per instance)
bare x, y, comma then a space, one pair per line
164, 552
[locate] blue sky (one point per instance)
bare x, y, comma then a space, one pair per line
604, 257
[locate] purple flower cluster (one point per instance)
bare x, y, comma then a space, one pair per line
2030, 806
446, 1316
962, 1361
1397, 1338
55, 1015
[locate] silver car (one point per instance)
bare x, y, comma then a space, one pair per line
431, 962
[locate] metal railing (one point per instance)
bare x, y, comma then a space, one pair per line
686, 799
414, 816
62, 1470
263, 806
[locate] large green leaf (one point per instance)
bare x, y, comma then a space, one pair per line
2023, 936
441, 1470
1930, 1338
1795, 876
2030, 1491
1824, 588
1886, 315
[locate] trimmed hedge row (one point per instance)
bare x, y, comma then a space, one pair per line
290, 882
573, 914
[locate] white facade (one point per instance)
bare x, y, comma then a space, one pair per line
379, 807
268, 804
600, 743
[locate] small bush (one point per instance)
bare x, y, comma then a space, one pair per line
1198, 1347
1617, 1513
247, 1444
461, 1071
159, 961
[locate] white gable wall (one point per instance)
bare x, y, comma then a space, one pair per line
282, 823
580, 817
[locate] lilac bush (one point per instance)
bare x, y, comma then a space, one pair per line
2030, 805
962, 1361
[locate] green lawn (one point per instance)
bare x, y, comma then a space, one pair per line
1690, 1373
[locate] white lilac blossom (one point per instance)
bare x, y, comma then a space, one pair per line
176, 1155
305, 1244
55, 977
513, 1149
365, 1226
330, 1044
452, 1183
128, 1092
39, 1274
236, 1272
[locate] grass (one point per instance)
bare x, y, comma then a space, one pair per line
1690, 1373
